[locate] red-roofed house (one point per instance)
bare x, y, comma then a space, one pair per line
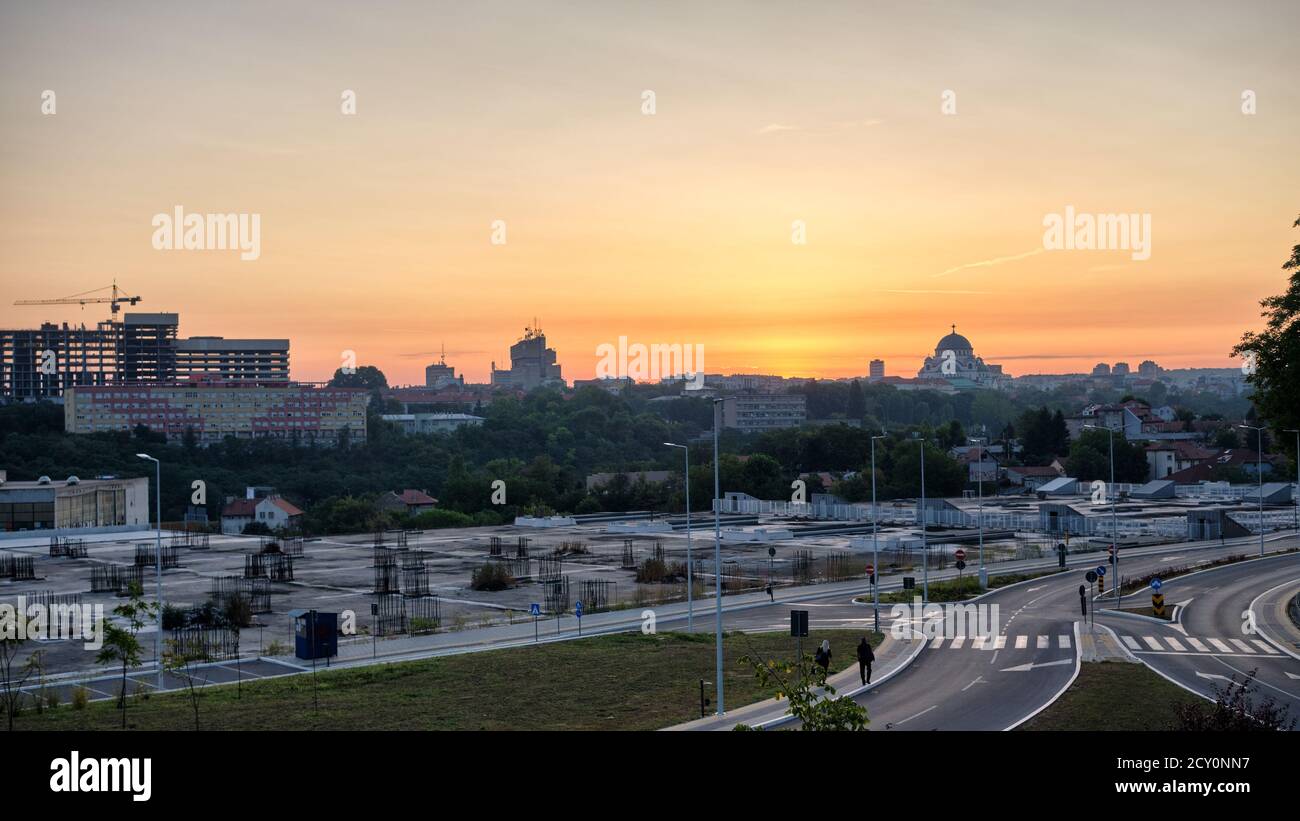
408, 501
273, 511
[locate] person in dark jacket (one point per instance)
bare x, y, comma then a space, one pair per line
865, 657
823, 656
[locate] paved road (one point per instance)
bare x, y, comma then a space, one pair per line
995, 685
1211, 641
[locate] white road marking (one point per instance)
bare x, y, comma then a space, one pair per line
936, 642
1022, 642
1024, 668
1042, 642
1063, 642
918, 715
1198, 644
1212, 676
1174, 643
977, 643
956, 645
999, 642
1131, 643
1152, 643
1243, 645
1220, 645
1265, 646
979, 680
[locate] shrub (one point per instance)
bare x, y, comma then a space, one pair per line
491, 576
438, 518
80, 697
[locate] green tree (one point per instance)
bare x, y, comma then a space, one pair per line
11, 686
121, 644
1089, 458
812, 701
1272, 356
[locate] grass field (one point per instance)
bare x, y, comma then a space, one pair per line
1114, 696
959, 589
623, 682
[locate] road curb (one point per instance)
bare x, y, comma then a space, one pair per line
1260, 632
857, 691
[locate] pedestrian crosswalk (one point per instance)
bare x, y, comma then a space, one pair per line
1063, 641
1190, 645
1172, 644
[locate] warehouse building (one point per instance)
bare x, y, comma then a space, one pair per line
73, 504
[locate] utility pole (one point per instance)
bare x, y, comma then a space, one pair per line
717, 547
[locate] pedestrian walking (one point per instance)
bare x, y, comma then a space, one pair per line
823, 657
865, 657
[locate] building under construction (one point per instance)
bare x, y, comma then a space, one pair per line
41, 363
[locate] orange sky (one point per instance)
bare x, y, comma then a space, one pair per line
670, 228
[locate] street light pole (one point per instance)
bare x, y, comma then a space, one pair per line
1114, 520
1295, 494
875, 549
925, 542
717, 548
1259, 476
157, 642
979, 476
690, 582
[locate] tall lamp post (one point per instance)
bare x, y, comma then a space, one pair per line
157, 566
925, 542
1259, 475
690, 583
1295, 494
875, 549
1114, 520
717, 548
979, 476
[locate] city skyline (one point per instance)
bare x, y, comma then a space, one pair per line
673, 227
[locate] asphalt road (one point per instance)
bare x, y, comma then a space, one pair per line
1212, 640
999, 683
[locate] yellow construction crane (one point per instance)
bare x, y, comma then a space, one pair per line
82, 299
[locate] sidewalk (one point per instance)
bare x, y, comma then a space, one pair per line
891, 656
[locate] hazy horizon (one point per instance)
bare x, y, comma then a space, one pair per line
668, 228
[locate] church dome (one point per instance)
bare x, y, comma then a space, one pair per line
954, 342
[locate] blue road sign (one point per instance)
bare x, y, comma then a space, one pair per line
1156, 584
534, 609
577, 609
1101, 570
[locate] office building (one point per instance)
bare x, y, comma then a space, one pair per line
532, 364
756, 412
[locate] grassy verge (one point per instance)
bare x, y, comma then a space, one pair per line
965, 587
1133, 584
624, 682
1114, 696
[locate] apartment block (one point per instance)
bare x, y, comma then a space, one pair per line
214, 410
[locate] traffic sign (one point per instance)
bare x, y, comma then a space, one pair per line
959, 554
961, 565
1091, 576
1156, 584
1101, 570
909, 582
534, 609
799, 624
771, 551
871, 570
577, 608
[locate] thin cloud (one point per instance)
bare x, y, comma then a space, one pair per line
989, 263
776, 128
931, 291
